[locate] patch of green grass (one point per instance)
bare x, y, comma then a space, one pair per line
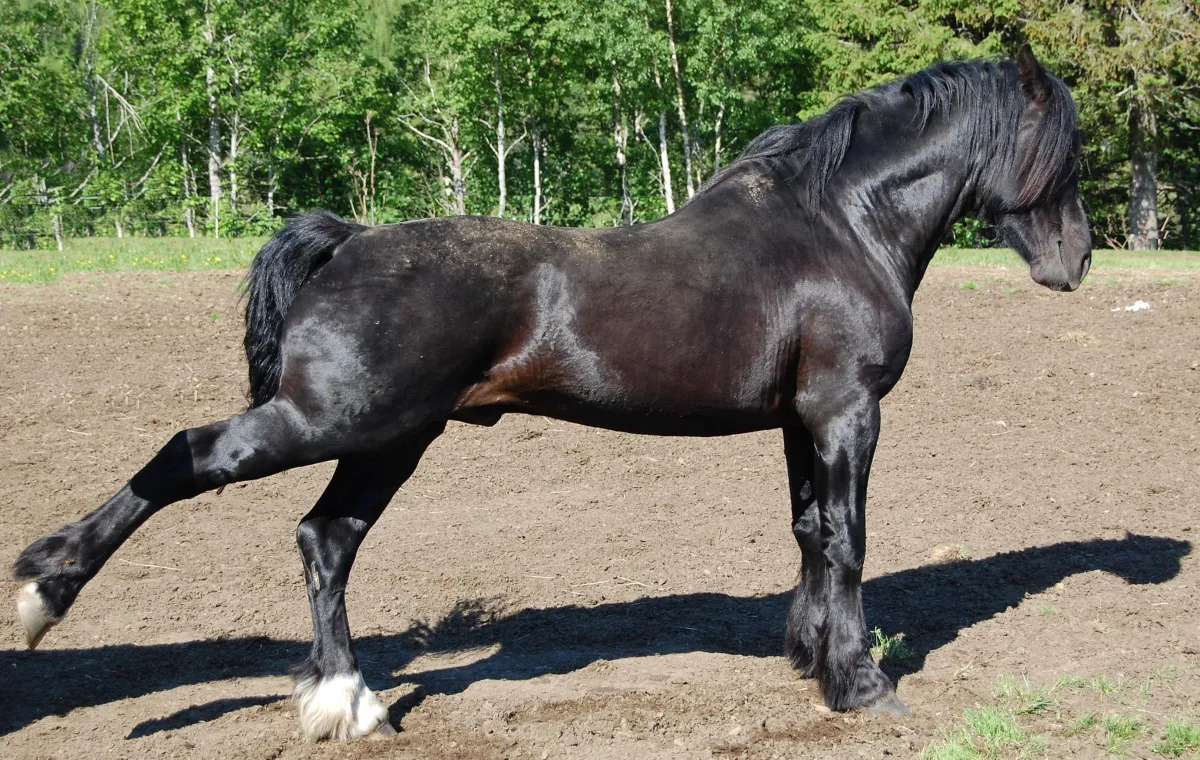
1103, 685
890, 649
1119, 730
1171, 281
1085, 722
127, 254
968, 285
1071, 682
1101, 258
1180, 736
1020, 696
1167, 674
1046, 610
984, 732
216, 316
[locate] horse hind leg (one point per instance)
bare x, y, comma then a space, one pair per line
260, 442
332, 699
806, 615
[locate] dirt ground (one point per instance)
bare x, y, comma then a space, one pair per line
542, 590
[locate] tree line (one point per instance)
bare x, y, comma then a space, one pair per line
223, 117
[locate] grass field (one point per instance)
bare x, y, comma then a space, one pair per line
103, 254
187, 254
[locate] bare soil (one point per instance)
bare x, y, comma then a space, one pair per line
542, 590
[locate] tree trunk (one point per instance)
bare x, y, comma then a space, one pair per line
235, 128
683, 124
621, 142
717, 146
1143, 183
458, 176
369, 183
448, 122
537, 175
188, 211
665, 161
91, 36
501, 153
271, 185
214, 134
56, 222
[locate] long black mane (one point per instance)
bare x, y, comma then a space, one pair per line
986, 101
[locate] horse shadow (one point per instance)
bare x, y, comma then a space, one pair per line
929, 604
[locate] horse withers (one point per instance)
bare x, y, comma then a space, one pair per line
780, 297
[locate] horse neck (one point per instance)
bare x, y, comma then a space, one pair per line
900, 189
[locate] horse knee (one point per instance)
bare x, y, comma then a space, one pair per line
807, 529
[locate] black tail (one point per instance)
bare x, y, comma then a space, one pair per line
276, 275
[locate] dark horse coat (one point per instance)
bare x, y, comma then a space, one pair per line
780, 297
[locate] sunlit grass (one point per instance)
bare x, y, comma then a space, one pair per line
890, 649
1101, 259
1180, 736
984, 732
102, 254
125, 255
1119, 730
1020, 695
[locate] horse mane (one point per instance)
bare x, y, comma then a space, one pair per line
986, 100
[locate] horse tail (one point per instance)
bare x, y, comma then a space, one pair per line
276, 275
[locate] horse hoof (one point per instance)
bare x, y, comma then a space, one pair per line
385, 731
888, 705
340, 707
34, 613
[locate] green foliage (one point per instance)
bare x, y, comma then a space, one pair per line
181, 117
890, 649
1180, 736
1085, 722
1020, 696
1119, 730
984, 732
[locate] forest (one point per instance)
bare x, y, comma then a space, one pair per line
222, 118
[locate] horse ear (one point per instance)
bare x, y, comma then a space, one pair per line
1034, 79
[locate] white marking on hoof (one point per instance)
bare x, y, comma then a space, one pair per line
34, 613
338, 707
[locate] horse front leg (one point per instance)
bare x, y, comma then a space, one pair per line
844, 442
331, 696
806, 616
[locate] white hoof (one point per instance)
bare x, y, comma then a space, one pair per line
339, 707
34, 613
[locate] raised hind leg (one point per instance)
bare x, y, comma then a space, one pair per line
333, 700
260, 442
806, 616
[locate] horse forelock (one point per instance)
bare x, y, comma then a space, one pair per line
1053, 155
987, 102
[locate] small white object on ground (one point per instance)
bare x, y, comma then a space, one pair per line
1138, 305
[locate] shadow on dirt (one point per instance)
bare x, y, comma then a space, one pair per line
930, 604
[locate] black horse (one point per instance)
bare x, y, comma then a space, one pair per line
780, 297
